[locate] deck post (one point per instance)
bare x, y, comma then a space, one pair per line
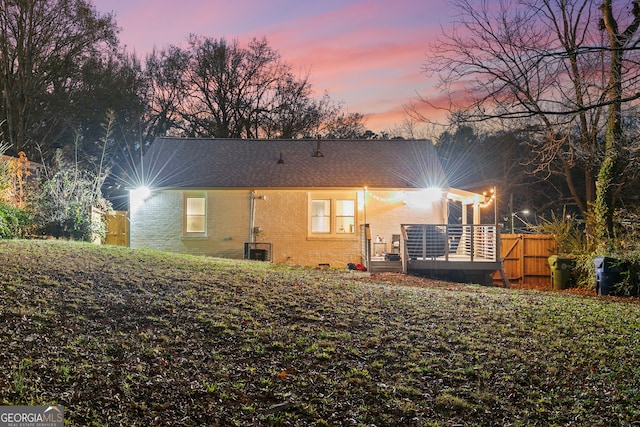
503, 274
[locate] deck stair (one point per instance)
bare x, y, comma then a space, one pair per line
385, 266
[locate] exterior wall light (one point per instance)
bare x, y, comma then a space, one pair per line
432, 194
424, 198
141, 193
137, 197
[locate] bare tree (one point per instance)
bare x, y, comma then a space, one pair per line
43, 46
220, 89
229, 88
295, 111
557, 68
344, 125
164, 72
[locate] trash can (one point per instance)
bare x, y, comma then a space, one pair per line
560, 271
608, 275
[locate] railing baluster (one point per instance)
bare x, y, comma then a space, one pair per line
445, 241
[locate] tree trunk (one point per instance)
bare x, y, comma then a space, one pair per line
608, 172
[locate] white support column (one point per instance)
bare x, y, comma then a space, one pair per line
476, 213
464, 213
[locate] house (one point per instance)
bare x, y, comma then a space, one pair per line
303, 202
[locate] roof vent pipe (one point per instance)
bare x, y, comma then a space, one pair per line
280, 160
318, 153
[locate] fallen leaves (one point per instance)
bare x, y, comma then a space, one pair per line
124, 337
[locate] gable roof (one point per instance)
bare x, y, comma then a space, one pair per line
259, 163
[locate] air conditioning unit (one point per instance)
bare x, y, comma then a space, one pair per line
257, 251
258, 254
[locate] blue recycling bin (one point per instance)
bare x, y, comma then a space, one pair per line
609, 273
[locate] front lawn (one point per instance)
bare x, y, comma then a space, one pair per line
139, 338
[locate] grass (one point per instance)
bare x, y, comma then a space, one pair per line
138, 338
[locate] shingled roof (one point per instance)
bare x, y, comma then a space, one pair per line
242, 163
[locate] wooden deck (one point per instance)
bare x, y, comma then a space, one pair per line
453, 262
457, 262
468, 253
455, 252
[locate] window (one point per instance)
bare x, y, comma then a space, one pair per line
332, 216
345, 216
195, 214
321, 216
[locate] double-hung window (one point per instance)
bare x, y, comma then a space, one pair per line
195, 214
321, 216
331, 216
345, 216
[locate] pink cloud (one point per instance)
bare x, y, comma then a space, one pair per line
367, 54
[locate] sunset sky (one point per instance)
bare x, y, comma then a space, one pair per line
367, 54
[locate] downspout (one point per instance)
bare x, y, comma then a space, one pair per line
366, 240
252, 215
364, 228
364, 205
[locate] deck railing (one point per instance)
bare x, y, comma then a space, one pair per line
476, 242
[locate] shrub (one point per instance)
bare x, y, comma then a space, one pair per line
14, 222
64, 206
571, 240
16, 185
627, 249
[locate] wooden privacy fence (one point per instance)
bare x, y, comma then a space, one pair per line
117, 228
525, 258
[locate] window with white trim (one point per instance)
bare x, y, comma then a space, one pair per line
195, 214
345, 216
321, 216
332, 216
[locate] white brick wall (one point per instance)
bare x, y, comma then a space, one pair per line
282, 216
157, 224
